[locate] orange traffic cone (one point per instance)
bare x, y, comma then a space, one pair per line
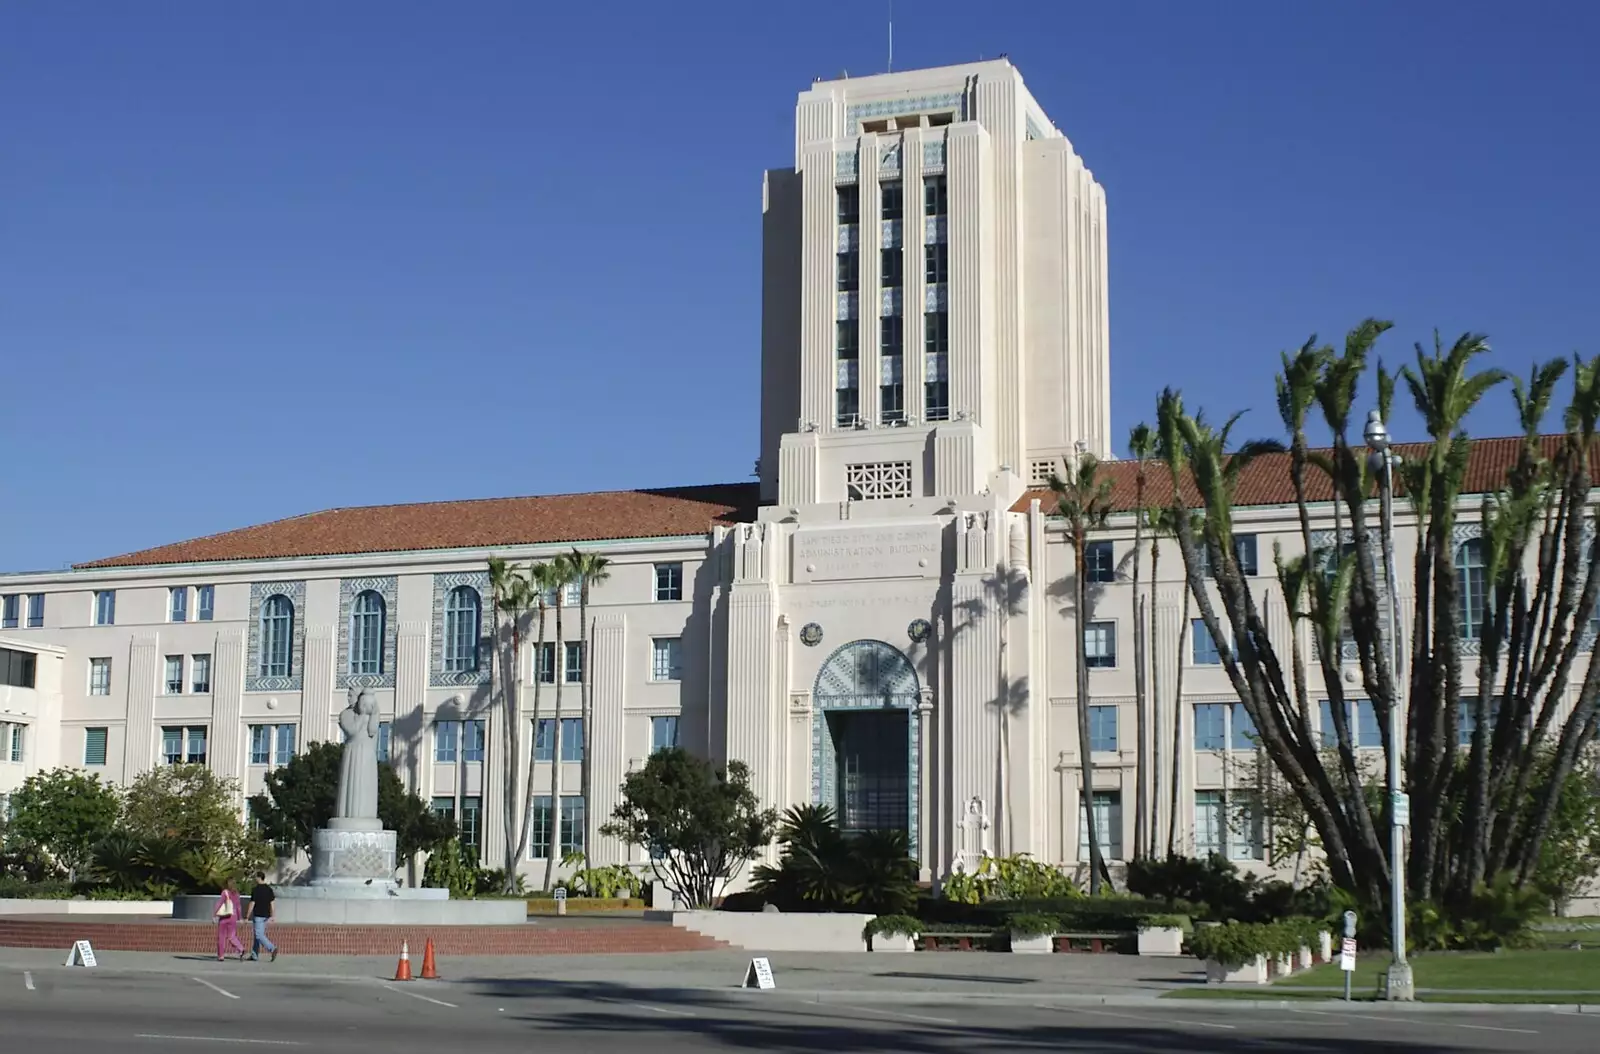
429, 973
402, 972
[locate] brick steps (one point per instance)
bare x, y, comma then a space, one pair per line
199, 937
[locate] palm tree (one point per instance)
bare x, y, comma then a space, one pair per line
561, 575
1085, 503
591, 569
539, 577
1142, 444
1163, 524
511, 595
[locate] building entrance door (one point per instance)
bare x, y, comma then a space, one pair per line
874, 789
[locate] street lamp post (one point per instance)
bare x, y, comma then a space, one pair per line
1399, 983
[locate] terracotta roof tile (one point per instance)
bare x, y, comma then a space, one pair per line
606, 515
1266, 480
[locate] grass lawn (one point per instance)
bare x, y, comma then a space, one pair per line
1276, 993
1523, 971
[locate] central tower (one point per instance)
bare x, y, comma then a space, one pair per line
934, 295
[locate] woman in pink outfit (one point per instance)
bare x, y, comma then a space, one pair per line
228, 912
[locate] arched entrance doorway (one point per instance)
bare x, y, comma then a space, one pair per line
865, 741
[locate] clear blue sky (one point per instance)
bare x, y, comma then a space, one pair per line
257, 260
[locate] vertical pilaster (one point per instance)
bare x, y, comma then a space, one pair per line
914, 281
819, 297
227, 706
752, 705
869, 306
139, 736
966, 169
974, 738
1169, 638
608, 681
1000, 108
316, 699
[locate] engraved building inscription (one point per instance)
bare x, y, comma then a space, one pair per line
831, 554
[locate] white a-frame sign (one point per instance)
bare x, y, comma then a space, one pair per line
759, 975
81, 954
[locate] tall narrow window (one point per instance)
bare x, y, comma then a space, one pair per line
663, 733
892, 348
99, 676
1205, 651
105, 607
572, 739
937, 263
544, 662
1107, 825
893, 268
463, 611
35, 610
205, 599
540, 829
277, 636
1102, 729
446, 742
669, 581
1100, 645
174, 674
666, 659
893, 197
571, 823
260, 744
847, 383
10, 610
544, 740
472, 733
1100, 562
385, 732
1470, 588
16, 755
366, 634
1243, 735
574, 661
472, 823
936, 365
1210, 823
849, 267
848, 199
200, 674
94, 745
284, 746
178, 604
935, 196
1210, 726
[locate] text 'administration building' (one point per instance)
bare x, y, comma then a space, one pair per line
882, 623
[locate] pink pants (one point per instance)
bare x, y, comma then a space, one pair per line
228, 933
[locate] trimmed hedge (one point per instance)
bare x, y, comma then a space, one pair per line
585, 905
1235, 943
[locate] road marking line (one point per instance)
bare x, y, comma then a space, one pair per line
1142, 1018
662, 1010
419, 995
27, 980
214, 988
1495, 1028
221, 1039
1425, 1024
874, 1011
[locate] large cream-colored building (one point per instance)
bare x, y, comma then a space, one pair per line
882, 623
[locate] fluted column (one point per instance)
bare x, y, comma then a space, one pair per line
139, 735
316, 699
607, 739
227, 706
925, 846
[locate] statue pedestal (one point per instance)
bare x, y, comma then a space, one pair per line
350, 853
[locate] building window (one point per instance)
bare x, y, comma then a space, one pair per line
849, 267
1209, 824
1102, 729
178, 604
848, 199
936, 355
10, 611
94, 745
666, 659
183, 746
571, 594
663, 733
271, 744
1203, 649
539, 835
1210, 726
892, 270
446, 742
1467, 719
366, 634
1244, 551
848, 376
544, 665
18, 669
443, 806
200, 674
1471, 588
1242, 733
1246, 828
277, 636
936, 269
385, 730
571, 823
35, 610
573, 667
1363, 721
1100, 645
205, 602
463, 614
174, 675
878, 480
669, 581
935, 196
571, 739
1107, 825
13, 743
99, 676
473, 741
472, 823
893, 196
105, 607
1100, 562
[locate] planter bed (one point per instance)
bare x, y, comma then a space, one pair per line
585, 905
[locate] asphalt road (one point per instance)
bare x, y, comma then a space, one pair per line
234, 1007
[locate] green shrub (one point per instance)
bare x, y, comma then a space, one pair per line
1166, 922
22, 889
1029, 924
613, 880
822, 869
891, 926
1234, 944
454, 868
1016, 877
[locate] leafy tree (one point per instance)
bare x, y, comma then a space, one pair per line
701, 823
302, 796
1482, 814
1085, 503
188, 816
65, 814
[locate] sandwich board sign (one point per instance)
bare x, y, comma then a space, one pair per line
759, 975
81, 954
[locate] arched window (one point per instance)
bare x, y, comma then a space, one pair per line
366, 634
462, 611
277, 636
1472, 587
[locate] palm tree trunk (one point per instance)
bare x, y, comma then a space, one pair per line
585, 697
533, 749
1141, 771
1085, 747
1155, 695
510, 738
1177, 725
560, 665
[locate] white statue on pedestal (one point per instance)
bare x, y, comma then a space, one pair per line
974, 837
358, 766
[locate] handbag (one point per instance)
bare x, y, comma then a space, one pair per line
225, 909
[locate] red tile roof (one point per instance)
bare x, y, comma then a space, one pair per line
607, 515
1265, 481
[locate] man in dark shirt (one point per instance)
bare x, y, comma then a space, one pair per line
261, 898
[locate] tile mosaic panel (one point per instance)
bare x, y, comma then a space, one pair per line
350, 588
443, 586
253, 681
913, 104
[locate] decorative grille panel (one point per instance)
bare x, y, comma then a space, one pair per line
878, 479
